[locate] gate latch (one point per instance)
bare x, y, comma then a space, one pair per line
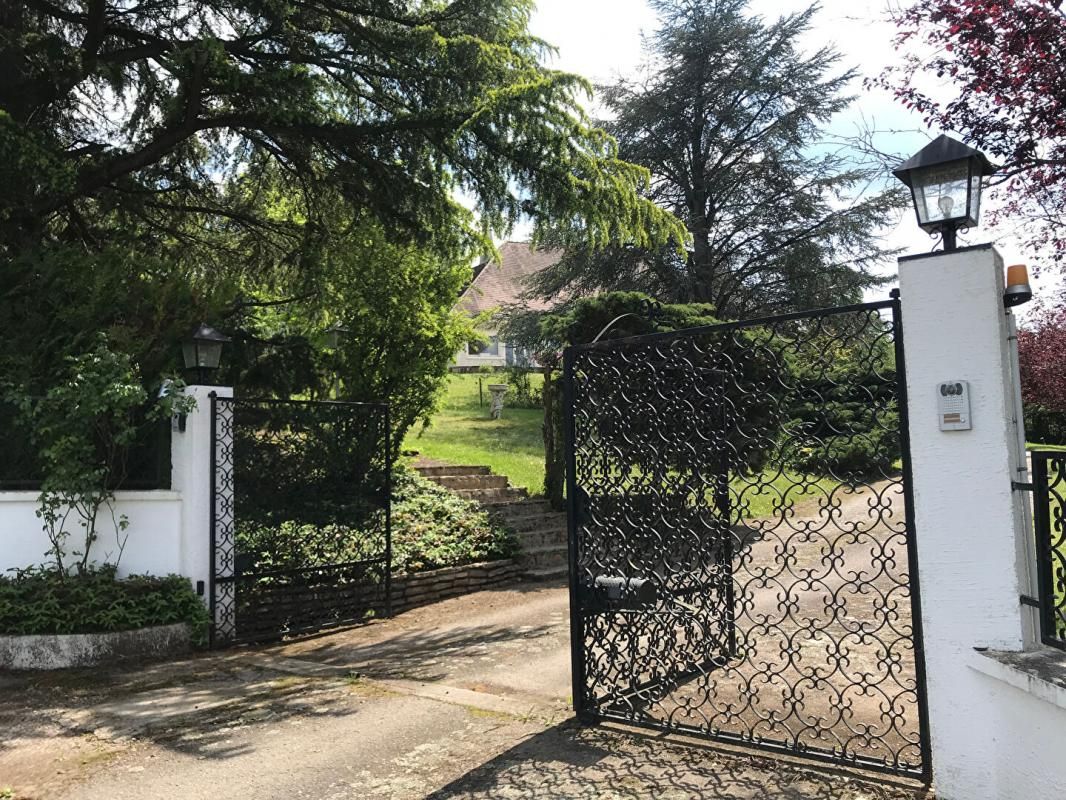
610, 593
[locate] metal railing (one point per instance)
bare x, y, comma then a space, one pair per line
1049, 521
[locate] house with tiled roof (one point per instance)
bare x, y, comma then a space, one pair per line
498, 283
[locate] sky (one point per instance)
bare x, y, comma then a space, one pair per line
601, 40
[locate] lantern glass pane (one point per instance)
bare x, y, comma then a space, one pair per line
940, 192
188, 354
208, 354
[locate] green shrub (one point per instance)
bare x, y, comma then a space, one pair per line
522, 394
431, 528
845, 434
434, 528
843, 400
289, 544
46, 601
1045, 426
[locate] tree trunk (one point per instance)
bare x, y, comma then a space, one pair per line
554, 445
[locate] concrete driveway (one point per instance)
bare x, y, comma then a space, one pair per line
464, 699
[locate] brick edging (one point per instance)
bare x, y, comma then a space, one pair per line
421, 588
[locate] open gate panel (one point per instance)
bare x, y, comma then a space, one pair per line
741, 543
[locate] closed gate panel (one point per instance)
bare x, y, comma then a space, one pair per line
742, 552
300, 517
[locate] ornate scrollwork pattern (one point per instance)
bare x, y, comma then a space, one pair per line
1049, 505
223, 548
752, 473
301, 516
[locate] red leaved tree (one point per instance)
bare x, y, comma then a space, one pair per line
1042, 352
1007, 61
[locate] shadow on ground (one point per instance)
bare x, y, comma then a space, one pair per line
416, 655
197, 705
574, 762
194, 707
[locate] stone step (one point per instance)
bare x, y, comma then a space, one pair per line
525, 508
499, 496
541, 538
557, 573
534, 522
451, 469
470, 481
543, 557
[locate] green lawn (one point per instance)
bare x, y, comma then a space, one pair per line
462, 433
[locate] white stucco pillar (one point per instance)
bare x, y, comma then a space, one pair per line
968, 528
191, 475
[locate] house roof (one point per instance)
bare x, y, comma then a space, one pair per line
498, 283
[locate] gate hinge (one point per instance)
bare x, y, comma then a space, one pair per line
1029, 601
1021, 486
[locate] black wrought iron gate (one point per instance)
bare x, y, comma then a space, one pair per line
742, 560
299, 516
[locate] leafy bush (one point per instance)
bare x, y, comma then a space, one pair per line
433, 528
45, 601
82, 428
848, 429
1042, 358
291, 544
842, 402
522, 393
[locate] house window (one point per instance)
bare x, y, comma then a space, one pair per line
480, 348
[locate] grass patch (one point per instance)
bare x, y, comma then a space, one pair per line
462, 433
788, 489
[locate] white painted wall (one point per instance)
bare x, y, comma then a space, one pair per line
990, 739
1028, 734
152, 538
169, 531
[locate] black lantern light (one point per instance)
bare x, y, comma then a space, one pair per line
203, 351
945, 182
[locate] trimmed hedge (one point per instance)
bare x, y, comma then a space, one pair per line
45, 601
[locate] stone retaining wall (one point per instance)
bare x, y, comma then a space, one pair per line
421, 588
89, 649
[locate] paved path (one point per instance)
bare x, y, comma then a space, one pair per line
464, 699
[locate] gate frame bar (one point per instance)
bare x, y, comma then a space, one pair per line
213, 525
924, 734
577, 639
